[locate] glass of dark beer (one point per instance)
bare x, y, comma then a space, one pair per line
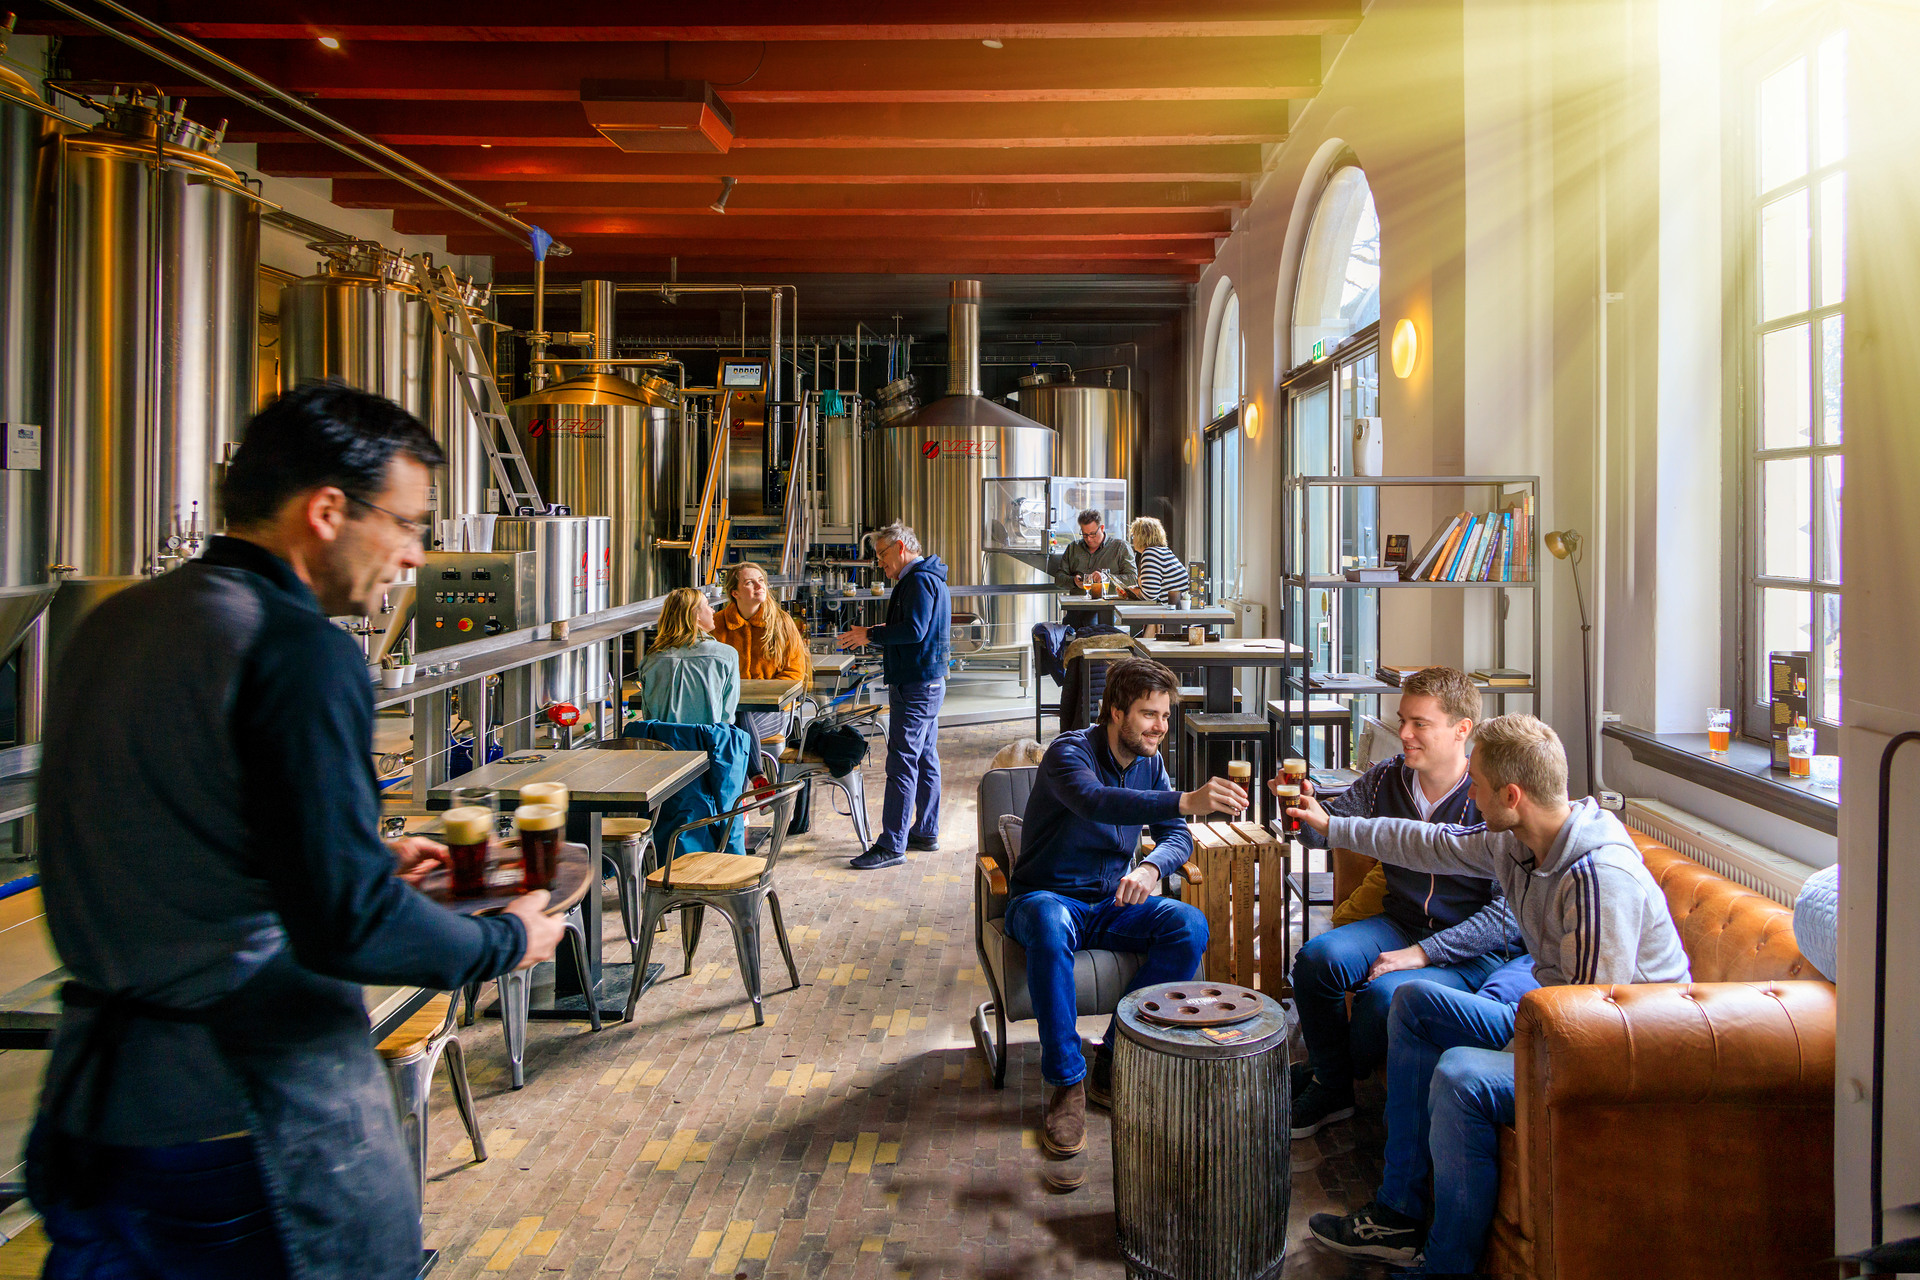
1293, 771
541, 828
469, 828
1288, 794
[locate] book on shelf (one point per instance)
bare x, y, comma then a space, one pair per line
1491, 546
1502, 677
1372, 575
1394, 674
1396, 554
1337, 679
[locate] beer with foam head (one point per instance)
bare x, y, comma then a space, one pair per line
1293, 771
541, 828
553, 793
1241, 771
1288, 794
468, 828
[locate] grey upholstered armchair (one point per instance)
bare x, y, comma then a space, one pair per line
1100, 978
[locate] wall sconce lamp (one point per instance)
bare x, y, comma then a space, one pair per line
1406, 348
1253, 420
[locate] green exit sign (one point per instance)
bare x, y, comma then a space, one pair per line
1320, 349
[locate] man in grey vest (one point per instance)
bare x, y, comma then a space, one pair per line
216, 884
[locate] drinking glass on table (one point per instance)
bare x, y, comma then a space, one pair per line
541, 827
1719, 729
469, 832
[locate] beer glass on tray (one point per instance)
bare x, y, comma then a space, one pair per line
541, 828
469, 831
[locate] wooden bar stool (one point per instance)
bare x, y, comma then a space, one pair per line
411, 1053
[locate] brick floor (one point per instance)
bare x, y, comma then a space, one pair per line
856, 1134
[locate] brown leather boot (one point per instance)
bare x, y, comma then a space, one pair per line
1064, 1132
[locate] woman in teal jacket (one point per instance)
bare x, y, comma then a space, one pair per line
689, 677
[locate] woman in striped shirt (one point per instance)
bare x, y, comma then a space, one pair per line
1161, 572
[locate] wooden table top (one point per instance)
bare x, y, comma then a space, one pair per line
1141, 612
770, 695
590, 774
835, 662
1238, 653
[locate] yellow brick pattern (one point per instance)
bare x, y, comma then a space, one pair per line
863, 1153
800, 1080
842, 975
503, 1246
669, 1154
922, 936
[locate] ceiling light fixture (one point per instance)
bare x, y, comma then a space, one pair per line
991, 43
726, 189
329, 42
486, 146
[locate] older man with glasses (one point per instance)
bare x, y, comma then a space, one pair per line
915, 643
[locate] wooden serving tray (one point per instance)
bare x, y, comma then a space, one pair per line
571, 879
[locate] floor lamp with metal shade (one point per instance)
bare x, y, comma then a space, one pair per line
1564, 544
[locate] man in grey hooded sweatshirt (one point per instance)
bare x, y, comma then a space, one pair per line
1590, 913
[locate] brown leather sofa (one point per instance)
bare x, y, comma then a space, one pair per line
1674, 1130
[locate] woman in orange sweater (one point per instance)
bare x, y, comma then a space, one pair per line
768, 640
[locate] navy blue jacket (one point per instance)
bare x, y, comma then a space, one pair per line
1084, 817
916, 640
1454, 918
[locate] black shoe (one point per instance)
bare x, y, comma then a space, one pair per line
876, 858
1299, 1080
1100, 1080
1318, 1107
1374, 1232
923, 844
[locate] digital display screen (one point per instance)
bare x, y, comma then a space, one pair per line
449, 575
741, 373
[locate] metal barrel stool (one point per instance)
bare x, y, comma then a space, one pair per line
1201, 1166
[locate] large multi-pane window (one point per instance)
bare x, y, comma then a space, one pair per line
1223, 452
1792, 176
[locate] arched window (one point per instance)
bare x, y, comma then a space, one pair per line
1339, 287
1225, 396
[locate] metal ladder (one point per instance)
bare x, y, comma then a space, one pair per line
481, 394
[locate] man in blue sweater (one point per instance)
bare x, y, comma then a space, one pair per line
1453, 930
1073, 891
915, 643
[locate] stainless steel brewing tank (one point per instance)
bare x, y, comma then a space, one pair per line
27, 155
928, 474
156, 295
1099, 428
571, 568
842, 507
468, 487
362, 319
604, 446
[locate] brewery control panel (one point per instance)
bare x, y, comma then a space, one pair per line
463, 595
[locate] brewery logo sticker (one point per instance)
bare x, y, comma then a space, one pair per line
586, 428
1222, 1034
960, 449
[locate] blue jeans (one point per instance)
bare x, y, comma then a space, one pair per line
1448, 1091
1051, 927
193, 1212
913, 764
1342, 1049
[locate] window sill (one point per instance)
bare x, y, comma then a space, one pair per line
1745, 773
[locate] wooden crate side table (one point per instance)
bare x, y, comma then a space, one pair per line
1244, 868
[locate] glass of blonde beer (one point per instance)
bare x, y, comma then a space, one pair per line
541, 828
469, 830
1719, 729
1241, 771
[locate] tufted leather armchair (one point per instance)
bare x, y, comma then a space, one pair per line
1679, 1130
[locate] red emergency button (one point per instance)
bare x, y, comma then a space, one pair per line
564, 714
465, 624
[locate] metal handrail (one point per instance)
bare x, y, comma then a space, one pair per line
710, 491
799, 490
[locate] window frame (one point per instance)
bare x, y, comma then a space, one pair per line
1763, 43
1217, 432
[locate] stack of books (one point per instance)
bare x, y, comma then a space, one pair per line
1502, 677
1496, 546
1393, 675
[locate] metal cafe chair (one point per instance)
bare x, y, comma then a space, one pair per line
733, 884
411, 1053
796, 765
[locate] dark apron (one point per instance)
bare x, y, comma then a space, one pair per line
324, 1127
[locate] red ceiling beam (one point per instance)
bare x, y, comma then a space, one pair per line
755, 20
707, 225
654, 265
968, 165
1267, 68
695, 250
802, 125
845, 200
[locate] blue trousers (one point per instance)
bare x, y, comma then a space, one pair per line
1051, 927
1449, 1089
193, 1212
1342, 1049
913, 764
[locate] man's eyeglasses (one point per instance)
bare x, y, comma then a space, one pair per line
412, 528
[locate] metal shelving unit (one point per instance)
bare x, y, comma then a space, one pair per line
1298, 584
